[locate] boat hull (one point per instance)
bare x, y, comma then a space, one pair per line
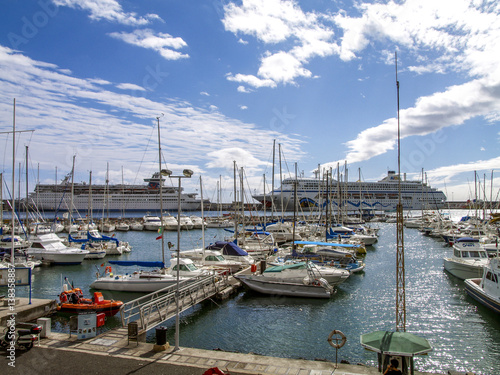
476, 292
266, 285
463, 270
109, 309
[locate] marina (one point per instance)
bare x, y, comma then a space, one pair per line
463, 333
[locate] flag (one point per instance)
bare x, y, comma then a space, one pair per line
160, 230
159, 237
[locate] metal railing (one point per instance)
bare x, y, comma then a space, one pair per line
154, 308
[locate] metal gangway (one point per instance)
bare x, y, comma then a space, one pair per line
153, 309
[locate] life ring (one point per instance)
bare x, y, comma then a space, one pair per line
337, 344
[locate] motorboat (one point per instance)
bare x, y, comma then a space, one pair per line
210, 258
146, 281
71, 301
233, 252
307, 287
282, 232
170, 222
151, 222
185, 222
486, 289
468, 259
197, 222
297, 271
50, 248
136, 225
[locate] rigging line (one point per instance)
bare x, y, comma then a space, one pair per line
144, 154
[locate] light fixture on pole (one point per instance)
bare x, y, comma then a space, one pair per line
186, 173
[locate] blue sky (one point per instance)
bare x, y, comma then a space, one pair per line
227, 78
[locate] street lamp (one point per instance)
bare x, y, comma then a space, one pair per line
186, 173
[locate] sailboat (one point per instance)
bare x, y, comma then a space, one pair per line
151, 280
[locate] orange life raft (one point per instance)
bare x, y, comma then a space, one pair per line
72, 301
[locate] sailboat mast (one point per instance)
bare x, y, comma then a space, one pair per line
13, 231
161, 197
72, 192
26, 205
281, 181
272, 183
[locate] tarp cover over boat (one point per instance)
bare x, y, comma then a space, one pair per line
136, 263
227, 248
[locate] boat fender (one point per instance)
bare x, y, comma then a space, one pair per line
337, 344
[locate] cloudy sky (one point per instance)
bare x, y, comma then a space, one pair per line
226, 79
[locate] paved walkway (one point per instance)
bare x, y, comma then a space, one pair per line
113, 350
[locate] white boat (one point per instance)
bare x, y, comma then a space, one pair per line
282, 232
122, 226
380, 196
50, 248
19, 243
185, 222
136, 225
147, 281
468, 260
169, 222
486, 289
210, 258
297, 271
151, 222
312, 288
233, 252
95, 252
197, 222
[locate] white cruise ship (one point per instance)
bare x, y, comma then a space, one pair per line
112, 197
376, 196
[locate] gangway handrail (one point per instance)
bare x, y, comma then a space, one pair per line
140, 308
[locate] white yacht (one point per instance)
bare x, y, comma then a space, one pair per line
468, 260
50, 248
486, 289
146, 281
151, 222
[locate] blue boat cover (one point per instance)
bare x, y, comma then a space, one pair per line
466, 239
348, 245
227, 248
136, 263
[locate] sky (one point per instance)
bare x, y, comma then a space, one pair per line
251, 84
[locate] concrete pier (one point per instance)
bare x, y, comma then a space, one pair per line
25, 311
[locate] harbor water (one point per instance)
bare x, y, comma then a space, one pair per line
464, 335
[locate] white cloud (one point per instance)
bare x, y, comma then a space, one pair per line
204, 93
243, 107
130, 86
443, 36
75, 116
278, 23
109, 10
164, 44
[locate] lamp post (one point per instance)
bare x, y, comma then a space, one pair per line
186, 173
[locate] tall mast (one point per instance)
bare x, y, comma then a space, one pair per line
400, 251
281, 181
13, 231
27, 191
72, 192
161, 197
272, 183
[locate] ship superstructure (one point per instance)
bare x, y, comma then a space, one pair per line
356, 195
